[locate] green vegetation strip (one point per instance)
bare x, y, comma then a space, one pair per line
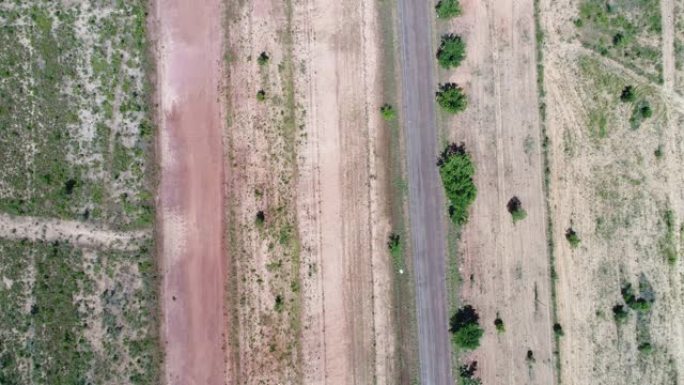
539, 38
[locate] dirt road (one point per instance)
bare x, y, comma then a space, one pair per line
190, 201
505, 266
426, 198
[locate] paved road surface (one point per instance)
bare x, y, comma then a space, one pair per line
426, 198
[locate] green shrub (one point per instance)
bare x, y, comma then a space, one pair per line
261, 95
639, 304
451, 51
499, 325
628, 94
263, 59
659, 152
457, 171
466, 329
388, 112
558, 330
260, 218
466, 374
620, 314
446, 9
394, 245
645, 348
642, 111
451, 98
572, 238
514, 207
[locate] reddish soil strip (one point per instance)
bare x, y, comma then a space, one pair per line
190, 202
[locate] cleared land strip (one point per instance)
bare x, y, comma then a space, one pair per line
505, 265
426, 199
668, 27
77, 233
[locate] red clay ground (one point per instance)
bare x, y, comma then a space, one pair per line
189, 49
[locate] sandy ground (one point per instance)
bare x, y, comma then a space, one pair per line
190, 201
316, 130
505, 266
614, 192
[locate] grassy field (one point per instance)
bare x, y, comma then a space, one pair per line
76, 135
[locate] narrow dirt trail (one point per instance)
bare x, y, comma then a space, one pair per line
78, 233
190, 201
668, 27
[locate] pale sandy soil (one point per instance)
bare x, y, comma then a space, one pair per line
190, 201
313, 307
78, 233
504, 266
614, 192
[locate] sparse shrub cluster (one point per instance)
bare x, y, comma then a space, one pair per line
457, 170
639, 304
465, 328
451, 51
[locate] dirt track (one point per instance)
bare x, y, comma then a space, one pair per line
190, 201
505, 266
426, 197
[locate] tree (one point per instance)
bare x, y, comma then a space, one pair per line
466, 329
457, 171
451, 51
628, 94
451, 98
446, 9
261, 95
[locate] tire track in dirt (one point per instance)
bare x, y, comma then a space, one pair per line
190, 201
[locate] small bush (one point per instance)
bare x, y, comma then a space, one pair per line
530, 356
451, 51
466, 374
499, 325
263, 59
645, 348
261, 95
659, 152
558, 330
388, 112
642, 111
279, 303
260, 218
451, 98
394, 245
446, 9
572, 238
456, 170
466, 329
514, 207
620, 314
628, 94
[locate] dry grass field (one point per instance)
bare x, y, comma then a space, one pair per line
615, 148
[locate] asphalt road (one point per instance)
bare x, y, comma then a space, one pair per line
426, 198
